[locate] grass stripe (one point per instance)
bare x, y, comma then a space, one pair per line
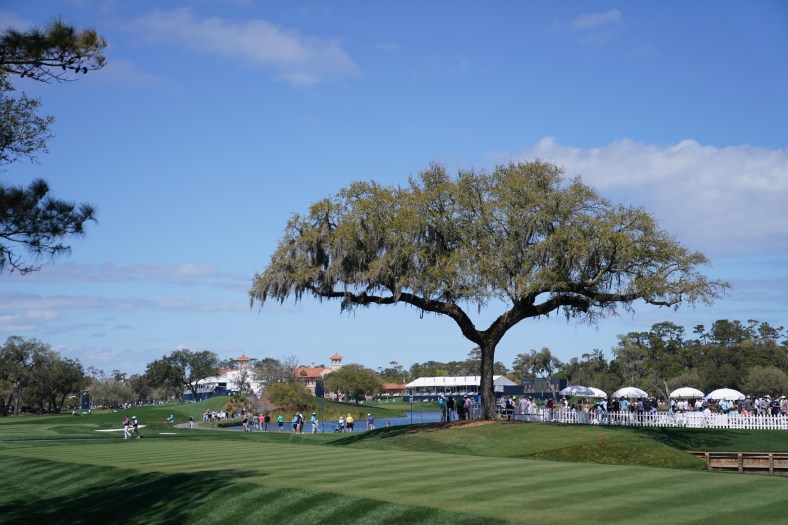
107, 494
492, 487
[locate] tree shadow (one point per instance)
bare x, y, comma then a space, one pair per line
687, 438
385, 433
139, 498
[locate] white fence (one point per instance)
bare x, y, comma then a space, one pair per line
659, 419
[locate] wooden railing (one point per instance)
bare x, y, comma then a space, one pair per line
757, 462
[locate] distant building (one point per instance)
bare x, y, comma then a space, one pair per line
313, 377
543, 388
430, 388
393, 390
229, 381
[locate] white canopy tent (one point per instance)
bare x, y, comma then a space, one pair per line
728, 394
598, 393
577, 390
453, 385
629, 392
686, 392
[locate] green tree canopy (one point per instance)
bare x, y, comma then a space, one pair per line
32, 373
354, 381
182, 368
542, 363
293, 395
521, 238
762, 380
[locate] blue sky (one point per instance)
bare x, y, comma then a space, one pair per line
213, 121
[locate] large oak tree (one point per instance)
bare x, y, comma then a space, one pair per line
521, 238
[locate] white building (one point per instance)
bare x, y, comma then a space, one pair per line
429, 388
229, 381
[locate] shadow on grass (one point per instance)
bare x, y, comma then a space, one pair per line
689, 438
385, 433
111, 495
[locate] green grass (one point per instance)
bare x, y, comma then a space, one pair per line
616, 446
58, 469
512, 489
99, 494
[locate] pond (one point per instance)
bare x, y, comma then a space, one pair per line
360, 425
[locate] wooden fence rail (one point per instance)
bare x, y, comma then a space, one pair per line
757, 462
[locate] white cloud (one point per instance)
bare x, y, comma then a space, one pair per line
595, 20
300, 59
722, 201
124, 72
185, 274
43, 307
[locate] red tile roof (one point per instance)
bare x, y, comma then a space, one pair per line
306, 371
336, 357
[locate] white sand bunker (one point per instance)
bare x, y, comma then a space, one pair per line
115, 429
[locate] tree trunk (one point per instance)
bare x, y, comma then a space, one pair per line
4, 408
486, 388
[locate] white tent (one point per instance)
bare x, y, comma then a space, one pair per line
598, 393
456, 381
728, 394
686, 392
629, 392
577, 390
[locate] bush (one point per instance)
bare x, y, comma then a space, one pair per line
289, 395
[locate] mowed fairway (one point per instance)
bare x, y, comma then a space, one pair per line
381, 485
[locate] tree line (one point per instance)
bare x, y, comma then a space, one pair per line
749, 356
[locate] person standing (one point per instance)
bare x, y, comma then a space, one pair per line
314, 422
266, 421
294, 423
126, 425
442, 406
370, 422
280, 420
245, 422
349, 423
135, 426
191, 421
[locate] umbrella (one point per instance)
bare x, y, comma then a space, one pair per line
725, 393
629, 391
598, 393
686, 392
577, 390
